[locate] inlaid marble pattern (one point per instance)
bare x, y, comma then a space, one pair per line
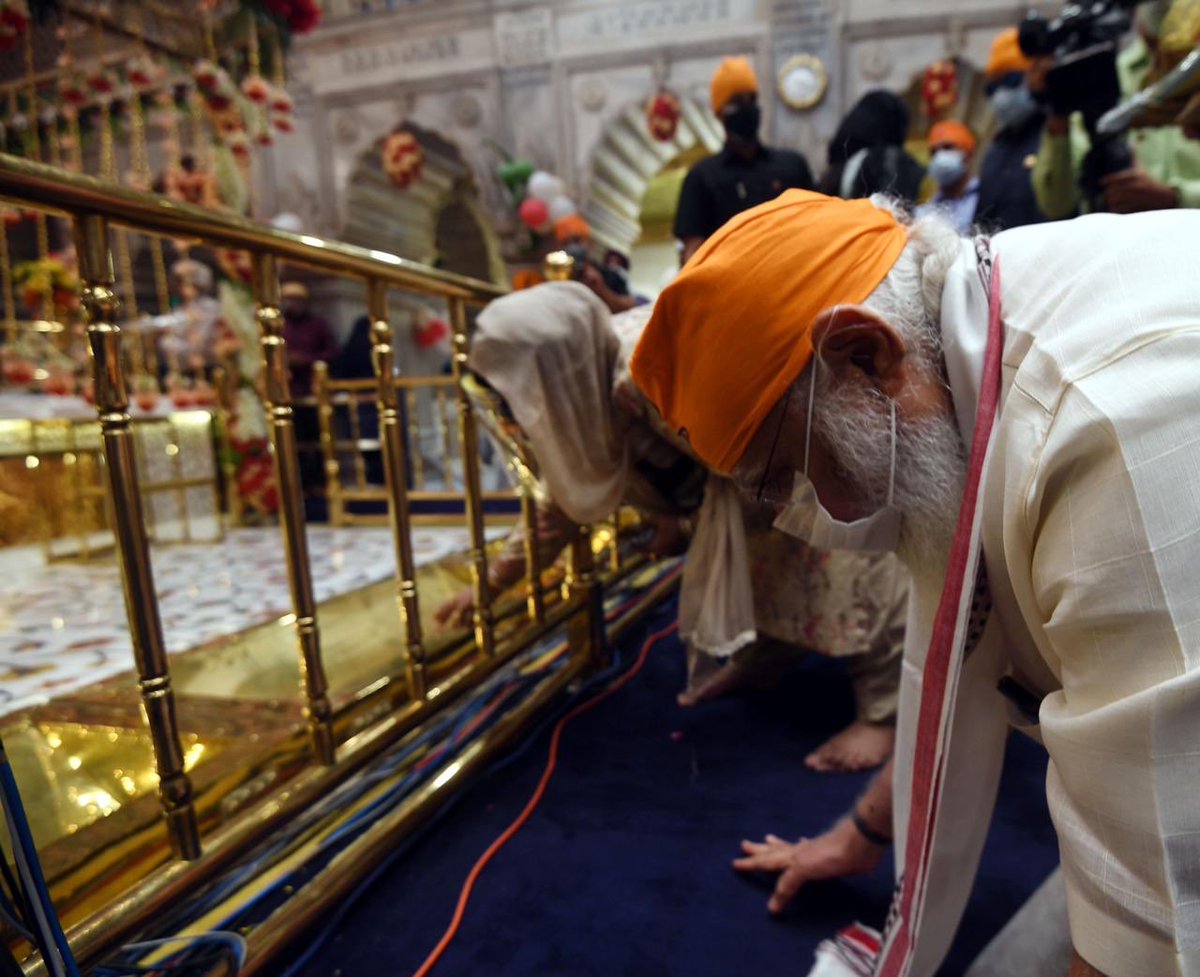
62, 625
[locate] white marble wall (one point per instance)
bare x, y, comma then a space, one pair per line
547, 80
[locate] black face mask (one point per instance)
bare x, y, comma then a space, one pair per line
743, 121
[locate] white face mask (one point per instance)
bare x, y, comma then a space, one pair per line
1012, 107
807, 519
948, 166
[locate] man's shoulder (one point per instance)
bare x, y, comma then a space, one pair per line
707, 165
790, 166
1086, 293
784, 157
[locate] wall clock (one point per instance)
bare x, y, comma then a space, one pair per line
802, 82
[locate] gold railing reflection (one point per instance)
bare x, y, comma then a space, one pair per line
352, 455
129, 527
62, 462
340, 741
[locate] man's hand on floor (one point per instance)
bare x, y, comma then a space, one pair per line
840, 852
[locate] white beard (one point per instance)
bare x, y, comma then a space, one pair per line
930, 470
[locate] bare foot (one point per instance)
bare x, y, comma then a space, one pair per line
725, 679
860, 746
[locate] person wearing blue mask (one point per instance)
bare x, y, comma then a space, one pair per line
1006, 193
951, 148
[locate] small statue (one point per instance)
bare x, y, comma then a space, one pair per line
194, 337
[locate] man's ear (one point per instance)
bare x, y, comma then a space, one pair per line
854, 337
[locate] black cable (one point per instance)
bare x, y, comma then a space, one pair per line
18, 915
8, 963
15, 893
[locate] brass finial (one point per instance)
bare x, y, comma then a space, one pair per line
559, 267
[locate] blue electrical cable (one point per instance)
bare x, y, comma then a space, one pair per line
617, 603
598, 680
178, 961
343, 795
406, 784
61, 961
457, 723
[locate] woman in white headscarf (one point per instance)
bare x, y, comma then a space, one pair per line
558, 360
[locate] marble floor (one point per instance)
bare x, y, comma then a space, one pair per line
62, 624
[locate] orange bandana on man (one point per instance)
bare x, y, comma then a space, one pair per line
1006, 56
734, 329
734, 76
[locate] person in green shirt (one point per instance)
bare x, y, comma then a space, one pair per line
1166, 170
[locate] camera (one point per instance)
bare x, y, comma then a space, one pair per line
1083, 42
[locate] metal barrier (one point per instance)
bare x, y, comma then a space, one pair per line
338, 743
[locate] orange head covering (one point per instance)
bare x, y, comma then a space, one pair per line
526, 278
1006, 56
954, 133
571, 226
735, 76
733, 330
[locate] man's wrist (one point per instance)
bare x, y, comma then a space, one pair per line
871, 834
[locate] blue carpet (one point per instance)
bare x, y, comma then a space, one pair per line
624, 869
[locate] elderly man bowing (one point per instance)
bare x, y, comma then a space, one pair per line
1019, 418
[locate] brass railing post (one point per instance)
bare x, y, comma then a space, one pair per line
614, 553
446, 428
278, 403
534, 601
468, 443
330, 462
133, 547
416, 458
395, 467
225, 384
587, 635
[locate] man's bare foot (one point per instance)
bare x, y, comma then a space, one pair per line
727, 678
860, 746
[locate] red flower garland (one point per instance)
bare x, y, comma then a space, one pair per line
939, 88
300, 16
256, 475
14, 22
402, 158
662, 116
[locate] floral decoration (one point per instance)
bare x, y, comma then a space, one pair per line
402, 158
298, 16
14, 22
47, 280
939, 88
257, 89
255, 475
144, 73
662, 116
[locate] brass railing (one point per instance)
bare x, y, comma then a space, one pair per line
415, 693
352, 482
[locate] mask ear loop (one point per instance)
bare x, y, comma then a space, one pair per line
892, 473
812, 393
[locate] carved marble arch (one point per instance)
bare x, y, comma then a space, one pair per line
438, 220
626, 162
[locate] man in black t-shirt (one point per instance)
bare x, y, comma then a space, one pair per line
745, 173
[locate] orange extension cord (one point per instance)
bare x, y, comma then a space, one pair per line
551, 760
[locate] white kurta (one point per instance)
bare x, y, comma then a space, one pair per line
1091, 537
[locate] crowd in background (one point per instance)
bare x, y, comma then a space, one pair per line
1019, 161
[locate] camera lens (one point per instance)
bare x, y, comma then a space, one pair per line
1034, 36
